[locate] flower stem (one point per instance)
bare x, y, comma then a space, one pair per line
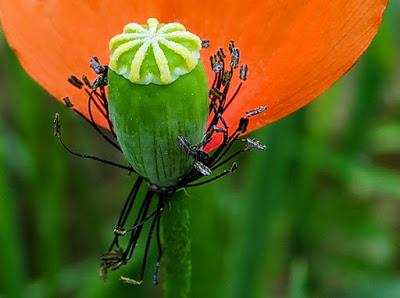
176, 260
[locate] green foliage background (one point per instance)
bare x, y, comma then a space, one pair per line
316, 215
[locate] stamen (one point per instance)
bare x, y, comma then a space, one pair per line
110, 260
205, 43
226, 78
235, 58
255, 112
130, 281
119, 231
218, 129
96, 65
201, 168
57, 133
216, 65
86, 81
243, 72
220, 53
215, 92
243, 123
57, 125
68, 102
73, 80
253, 144
231, 46
99, 82
156, 275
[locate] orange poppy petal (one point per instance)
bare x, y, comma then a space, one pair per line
55, 39
295, 49
323, 42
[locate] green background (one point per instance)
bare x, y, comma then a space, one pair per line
315, 215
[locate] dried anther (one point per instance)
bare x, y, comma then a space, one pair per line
220, 53
243, 72
218, 129
255, 112
156, 276
253, 144
86, 81
216, 65
130, 281
231, 46
243, 123
215, 92
226, 77
203, 169
57, 125
73, 80
101, 70
119, 231
68, 102
205, 43
235, 58
96, 66
111, 260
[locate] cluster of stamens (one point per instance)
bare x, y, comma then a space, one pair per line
204, 164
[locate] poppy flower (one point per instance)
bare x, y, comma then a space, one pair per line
294, 50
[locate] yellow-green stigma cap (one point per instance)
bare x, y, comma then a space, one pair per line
154, 53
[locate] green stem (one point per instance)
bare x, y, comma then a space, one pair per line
176, 260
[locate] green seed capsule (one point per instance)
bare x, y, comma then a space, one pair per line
157, 92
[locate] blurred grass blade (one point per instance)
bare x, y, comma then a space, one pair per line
263, 200
12, 275
298, 279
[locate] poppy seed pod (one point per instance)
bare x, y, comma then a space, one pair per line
157, 91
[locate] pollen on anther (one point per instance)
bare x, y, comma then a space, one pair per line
256, 111
243, 72
68, 102
205, 43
